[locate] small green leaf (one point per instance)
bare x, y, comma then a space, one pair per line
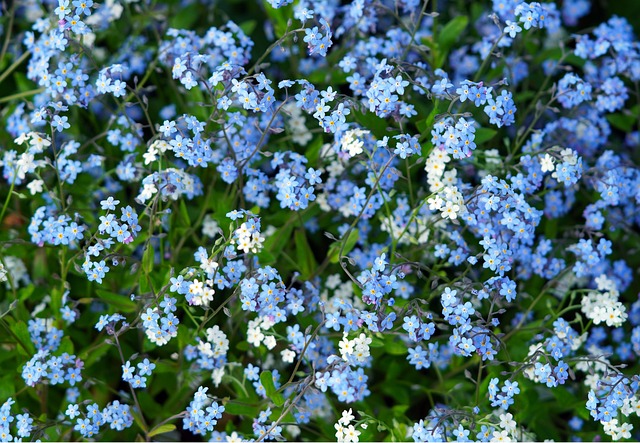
148, 259
186, 17
162, 430
248, 26
21, 334
394, 347
66, 345
451, 32
306, 260
184, 214
120, 302
7, 388
484, 135
266, 378
241, 409
334, 249
621, 121
137, 418
313, 150
98, 350
276, 243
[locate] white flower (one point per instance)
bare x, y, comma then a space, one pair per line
450, 210
547, 163
435, 203
234, 438
500, 436
569, 156
346, 347
507, 422
351, 144
216, 376
346, 418
270, 342
625, 430
255, 336
288, 355
209, 226
35, 187
150, 156
22, 138
351, 435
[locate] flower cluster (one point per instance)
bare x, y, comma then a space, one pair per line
429, 213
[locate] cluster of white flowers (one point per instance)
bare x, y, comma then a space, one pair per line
247, 239
201, 293
447, 199
508, 432
296, 124
255, 332
216, 346
27, 162
345, 431
356, 350
616, 431
157, 147
604, 306
352, 142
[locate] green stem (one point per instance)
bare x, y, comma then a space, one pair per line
29, 93
15, 64
6, 202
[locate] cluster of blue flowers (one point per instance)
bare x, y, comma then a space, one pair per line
384, 190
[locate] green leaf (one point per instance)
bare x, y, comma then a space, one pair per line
137, 418
276, 243
450, 33
312, 152
621, 121
448, 36
97, 352
484, 135
306, 260
241, 409
266, 378
334, 249
162, 430
426, 126
186, 17
394, 347
248, 26
21, 334
66, 345
26, 292
7, 388
148, 259
120, 302
377, 125
184, 214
